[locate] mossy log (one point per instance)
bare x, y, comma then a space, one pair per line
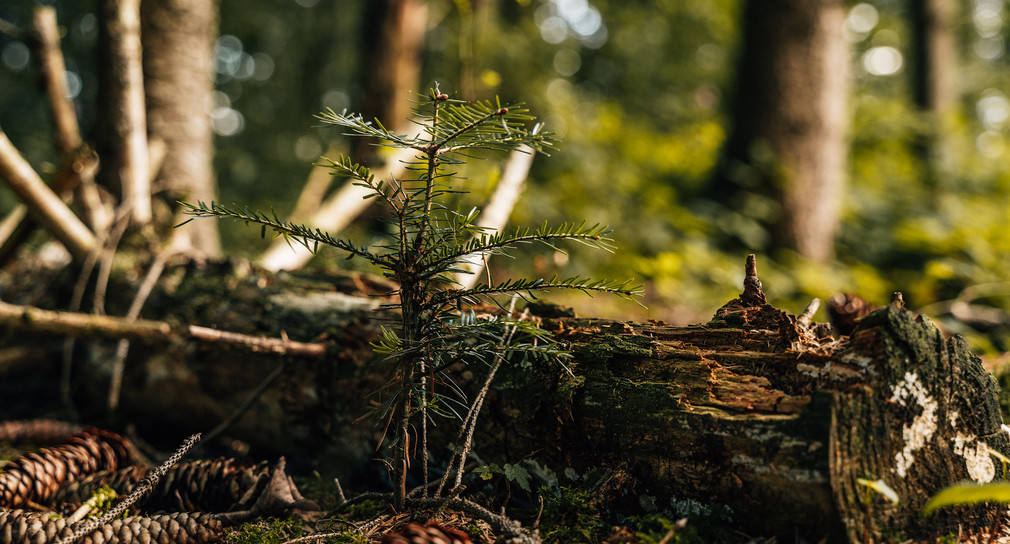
767, 421
757, 416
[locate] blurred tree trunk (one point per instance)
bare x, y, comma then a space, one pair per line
393, 45
178, 39
934, 54
122, 136
393, 41
789, 122
934, 80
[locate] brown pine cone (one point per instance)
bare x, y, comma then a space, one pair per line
216, 485
845, 309
21, 527
432, 533
35, 476
39, 432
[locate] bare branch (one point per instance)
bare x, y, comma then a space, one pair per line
78, 168
53, 213
495, 215
53, 73
79, 324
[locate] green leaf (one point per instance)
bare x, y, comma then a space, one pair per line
486, 472
880, 486
968, 493
519, 475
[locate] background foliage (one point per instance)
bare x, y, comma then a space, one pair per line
637, 91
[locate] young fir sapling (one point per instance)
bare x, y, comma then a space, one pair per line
427, 245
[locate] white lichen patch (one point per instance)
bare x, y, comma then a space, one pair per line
836, 372
952, 419
977, 460
923, 425
790, 473
862, 361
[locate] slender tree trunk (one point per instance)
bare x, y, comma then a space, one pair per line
178, 38
790, 119
935, 55
934, 82
123, 136
394, 54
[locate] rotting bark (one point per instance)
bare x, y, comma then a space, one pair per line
779, 427
756, 416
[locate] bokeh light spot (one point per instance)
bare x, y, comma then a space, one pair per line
15, 56
882, 61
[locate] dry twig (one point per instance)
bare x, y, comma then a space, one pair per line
79, 324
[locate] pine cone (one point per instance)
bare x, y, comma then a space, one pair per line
40, 432
35, 476
845, 309
21, 527
432, 533
217, 485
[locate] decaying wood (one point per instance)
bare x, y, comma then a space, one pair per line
777, 427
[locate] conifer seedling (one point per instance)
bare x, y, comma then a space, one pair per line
427, 244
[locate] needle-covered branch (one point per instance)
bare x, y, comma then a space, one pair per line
594, 236
303, 235
526, 287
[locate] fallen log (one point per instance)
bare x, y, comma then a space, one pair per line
757, 417
767, 421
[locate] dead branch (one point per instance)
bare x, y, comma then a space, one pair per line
53, 73
79, 324
51, 211
123, 347
314, 192
496, 214
78, 168
335, 214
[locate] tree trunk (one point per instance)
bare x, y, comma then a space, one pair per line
394, 59
934, 51
789, 121
934, 84
178, 38
123, 133
393, 43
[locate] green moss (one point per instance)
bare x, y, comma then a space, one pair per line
571, 516
653, 528
366, 509
272, 531
605, 346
